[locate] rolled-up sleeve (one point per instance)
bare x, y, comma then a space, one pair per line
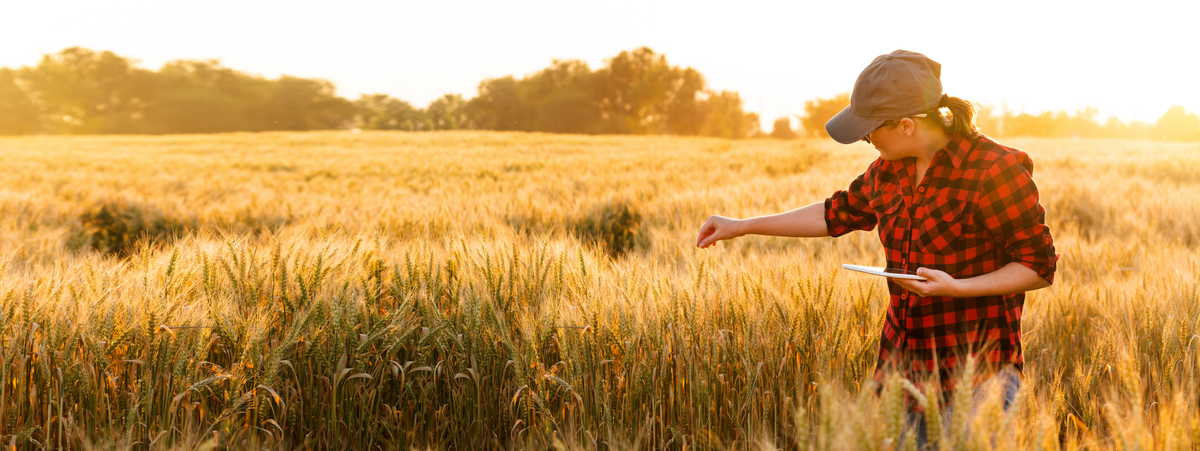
850, 209
1008, 206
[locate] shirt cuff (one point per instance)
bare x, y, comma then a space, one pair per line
836, 226
1041, 258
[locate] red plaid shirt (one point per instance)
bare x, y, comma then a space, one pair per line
975, 211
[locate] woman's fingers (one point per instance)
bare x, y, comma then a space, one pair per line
710, 232
939, 283
925, 272
705, 231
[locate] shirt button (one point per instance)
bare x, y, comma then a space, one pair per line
921, 189
904, 296
1046, 239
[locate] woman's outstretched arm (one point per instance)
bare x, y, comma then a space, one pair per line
806, 221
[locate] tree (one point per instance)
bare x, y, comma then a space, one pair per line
723, 116
1083, 123
383, 112
819, 111
304, 104
638, 92
80, 91
1178, 124
203, 97
195, 110
682, 108
782, 129
567, 110
448, 113
563, 96
18, 114
499, 106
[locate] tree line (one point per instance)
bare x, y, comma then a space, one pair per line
80, 91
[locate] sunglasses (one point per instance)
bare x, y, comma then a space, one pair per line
888, 123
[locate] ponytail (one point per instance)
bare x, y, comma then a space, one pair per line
957, 116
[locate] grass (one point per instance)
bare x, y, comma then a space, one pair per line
523, 291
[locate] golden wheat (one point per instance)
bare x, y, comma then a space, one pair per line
487, 290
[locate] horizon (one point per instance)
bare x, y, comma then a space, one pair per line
450, 49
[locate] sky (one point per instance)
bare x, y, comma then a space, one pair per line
1131, 60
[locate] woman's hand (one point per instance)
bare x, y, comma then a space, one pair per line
1012, 278
938, 283
718, 228
804, 221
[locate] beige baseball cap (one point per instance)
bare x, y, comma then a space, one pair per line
894, 86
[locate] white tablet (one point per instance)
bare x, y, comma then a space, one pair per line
893, 273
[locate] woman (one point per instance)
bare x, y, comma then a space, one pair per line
950, 204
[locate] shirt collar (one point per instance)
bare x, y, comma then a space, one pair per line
958, 148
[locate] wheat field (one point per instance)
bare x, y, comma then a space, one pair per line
477, 290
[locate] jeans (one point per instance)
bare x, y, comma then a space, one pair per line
916, 420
